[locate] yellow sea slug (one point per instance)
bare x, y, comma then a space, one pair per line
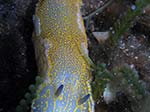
62, 58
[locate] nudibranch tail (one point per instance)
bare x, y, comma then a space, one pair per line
62, 58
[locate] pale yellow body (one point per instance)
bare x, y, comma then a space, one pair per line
61, 53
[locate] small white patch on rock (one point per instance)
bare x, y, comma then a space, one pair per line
108, 95
101, 36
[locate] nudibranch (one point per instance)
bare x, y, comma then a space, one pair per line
62, 58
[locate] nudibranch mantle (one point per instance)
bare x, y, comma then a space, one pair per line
61, 53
